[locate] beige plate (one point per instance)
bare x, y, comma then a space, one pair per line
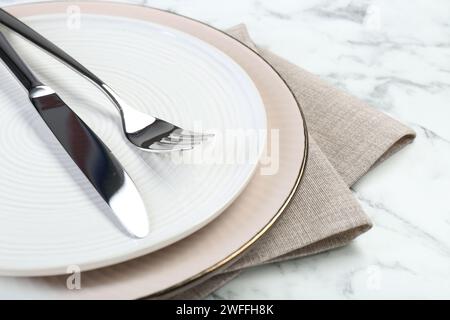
247, 219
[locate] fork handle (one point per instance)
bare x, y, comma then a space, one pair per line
28, 33
17, 65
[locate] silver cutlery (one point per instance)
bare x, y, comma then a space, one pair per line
144, 131
85, 148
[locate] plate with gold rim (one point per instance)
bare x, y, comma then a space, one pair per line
224, 239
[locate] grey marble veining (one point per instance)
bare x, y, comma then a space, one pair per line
396, 56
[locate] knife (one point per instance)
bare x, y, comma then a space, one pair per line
90, 154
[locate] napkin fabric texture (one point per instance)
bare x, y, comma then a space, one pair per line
346, 139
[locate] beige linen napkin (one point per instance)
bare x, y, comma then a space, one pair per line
347, 138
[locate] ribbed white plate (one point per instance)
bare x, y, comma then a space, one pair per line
50, 216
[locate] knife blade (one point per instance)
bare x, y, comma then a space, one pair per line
89, 153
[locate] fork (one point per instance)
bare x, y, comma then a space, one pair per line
146, 132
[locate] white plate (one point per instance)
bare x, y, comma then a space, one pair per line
51, 218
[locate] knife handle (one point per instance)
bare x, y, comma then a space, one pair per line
17, 65
28, 33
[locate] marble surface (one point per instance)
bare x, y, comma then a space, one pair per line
396, 56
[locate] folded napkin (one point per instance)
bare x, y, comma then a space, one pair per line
347, 138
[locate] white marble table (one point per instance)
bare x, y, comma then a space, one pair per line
396, 56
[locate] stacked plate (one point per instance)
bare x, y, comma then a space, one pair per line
206, 206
